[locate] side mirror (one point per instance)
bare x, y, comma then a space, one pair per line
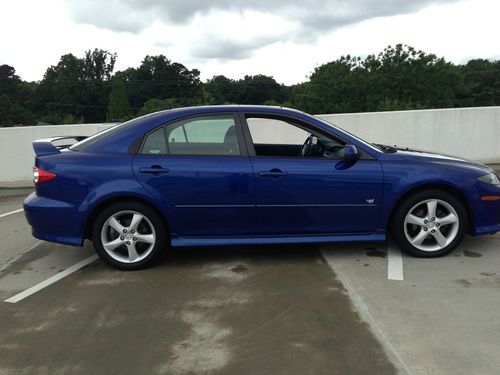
351, 153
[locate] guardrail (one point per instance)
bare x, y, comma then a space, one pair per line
471, 133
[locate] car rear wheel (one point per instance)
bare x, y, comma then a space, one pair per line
429, 224
128, 235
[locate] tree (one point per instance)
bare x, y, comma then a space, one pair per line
159, 78
257, 89
219, 90
482, 82
118, 106
15, 99
399, 77
404, 75
78, 87
84, 89
155, 105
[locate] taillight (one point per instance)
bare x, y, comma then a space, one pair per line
41, 176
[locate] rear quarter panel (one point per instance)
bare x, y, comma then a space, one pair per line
85, 180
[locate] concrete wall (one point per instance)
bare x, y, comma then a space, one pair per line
16, 153
472, 133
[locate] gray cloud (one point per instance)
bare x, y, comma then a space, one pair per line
226, 49
313, 17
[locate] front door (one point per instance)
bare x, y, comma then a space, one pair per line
315, 193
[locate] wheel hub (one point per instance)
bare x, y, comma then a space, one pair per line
128, 236
431, 225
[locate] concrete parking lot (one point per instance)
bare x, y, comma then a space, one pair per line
343, 309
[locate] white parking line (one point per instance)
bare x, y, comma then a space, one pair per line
394, 263
11, 213
51, 280
365, 314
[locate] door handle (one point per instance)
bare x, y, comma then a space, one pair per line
154, 169
275, 172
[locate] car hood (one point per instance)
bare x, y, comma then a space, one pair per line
419, 155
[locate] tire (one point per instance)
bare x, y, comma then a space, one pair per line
129, 235
428, 236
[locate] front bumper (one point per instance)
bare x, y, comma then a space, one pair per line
486, 213
53, 220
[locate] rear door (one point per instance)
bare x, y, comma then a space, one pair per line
310, 195
200, 167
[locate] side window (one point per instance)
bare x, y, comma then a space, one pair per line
277, 132
277, 137
155, 143
177, 135
207, 135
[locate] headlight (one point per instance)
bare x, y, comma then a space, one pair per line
490, 178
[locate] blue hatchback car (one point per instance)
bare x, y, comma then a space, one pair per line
238, 175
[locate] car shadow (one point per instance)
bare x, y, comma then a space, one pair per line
231, 253
256, 254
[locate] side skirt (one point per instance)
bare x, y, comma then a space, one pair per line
178, 241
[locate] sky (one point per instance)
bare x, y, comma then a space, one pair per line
285, 39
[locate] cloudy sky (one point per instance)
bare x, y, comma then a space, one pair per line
286, 39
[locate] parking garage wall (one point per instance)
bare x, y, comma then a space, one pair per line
471, 133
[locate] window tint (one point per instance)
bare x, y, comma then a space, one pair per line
155, 143
207, 130
208, 135
177, 135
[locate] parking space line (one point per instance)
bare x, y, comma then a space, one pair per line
11, 212
51, 280
19, 255
394, 263
366, 315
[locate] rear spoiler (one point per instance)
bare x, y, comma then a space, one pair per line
45, 146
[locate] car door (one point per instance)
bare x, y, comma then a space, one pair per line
199, 166
309, 195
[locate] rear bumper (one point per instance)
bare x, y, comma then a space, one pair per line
53, 220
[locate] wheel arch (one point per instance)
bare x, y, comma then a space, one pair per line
436, 186
116, 199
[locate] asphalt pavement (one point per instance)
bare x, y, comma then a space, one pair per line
343, 309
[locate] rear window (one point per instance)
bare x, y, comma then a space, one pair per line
80, 146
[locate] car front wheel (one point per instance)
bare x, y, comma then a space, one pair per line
128, 235
429, 224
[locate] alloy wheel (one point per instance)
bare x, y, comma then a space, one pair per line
128, 236
431, 225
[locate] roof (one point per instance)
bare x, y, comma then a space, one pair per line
227, 108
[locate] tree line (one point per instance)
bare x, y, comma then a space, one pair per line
86, 89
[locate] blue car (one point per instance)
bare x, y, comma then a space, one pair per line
246, 175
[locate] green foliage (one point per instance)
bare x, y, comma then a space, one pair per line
155, 105
16, 98
77, 87
482, 82
397, 78
158, 77
250, 90
84, 89
118, 106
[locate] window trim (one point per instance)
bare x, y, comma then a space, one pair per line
183, 120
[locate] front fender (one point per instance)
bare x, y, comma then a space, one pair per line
402, 177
